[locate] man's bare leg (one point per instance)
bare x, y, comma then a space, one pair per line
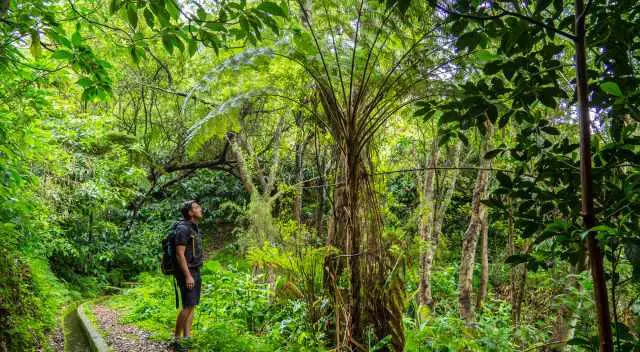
187, 321
180, 323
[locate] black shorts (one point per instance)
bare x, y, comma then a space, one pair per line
190, 297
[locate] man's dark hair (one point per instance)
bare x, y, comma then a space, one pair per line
186, 206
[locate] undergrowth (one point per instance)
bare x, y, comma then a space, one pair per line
234, 312
31, 299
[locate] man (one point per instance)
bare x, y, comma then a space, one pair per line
188, 249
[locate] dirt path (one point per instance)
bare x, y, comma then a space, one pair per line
125, 338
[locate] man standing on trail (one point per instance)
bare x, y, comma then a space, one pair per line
188, 249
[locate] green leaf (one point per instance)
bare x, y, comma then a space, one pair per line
611, 88
541, 5
469, 41
578, 341
422, 111
504, 119
547, 101
148, 17
76, 39
132, 15
444, 139
493, 153
167, 43
504, 179
491, 68
61, 54
173, 9
176, 42
518, 259
492, 113
463, 138
304, 42
36, 48
484, 55
244, 24
272, 8
84, 82
600, 230
193, 47
459, 26
161, 13
551, 130
449, 116
271, 23
114, 6
202, 14
134, 54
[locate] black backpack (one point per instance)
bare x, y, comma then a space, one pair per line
168, 252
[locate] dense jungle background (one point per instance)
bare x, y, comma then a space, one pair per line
393, 175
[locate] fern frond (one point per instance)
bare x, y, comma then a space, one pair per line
253, 57
213, 125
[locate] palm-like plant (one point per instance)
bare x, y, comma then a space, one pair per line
364, 68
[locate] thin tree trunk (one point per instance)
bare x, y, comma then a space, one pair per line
470, 238
586, 182
297, 202
430, 227
484, 259
427, 211
441, 208
519, 294
241, 165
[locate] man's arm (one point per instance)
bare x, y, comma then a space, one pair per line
182, 263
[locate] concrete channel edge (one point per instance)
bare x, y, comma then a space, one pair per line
93, 335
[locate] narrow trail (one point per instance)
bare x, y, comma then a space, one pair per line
122, 337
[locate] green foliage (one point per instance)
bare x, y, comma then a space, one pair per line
104, 112
234, 314
31, 299
443, 330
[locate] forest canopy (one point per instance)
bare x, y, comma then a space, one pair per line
376, 175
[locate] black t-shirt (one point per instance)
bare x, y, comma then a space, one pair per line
188, 235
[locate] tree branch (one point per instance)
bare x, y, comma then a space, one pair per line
505, 13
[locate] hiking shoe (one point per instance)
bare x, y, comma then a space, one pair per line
177, 347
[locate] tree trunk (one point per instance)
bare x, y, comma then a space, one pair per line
299, 149
426, 229
322, 200
430, 227
586, 182
512, 272
470, 238
484, 259
353, 243
519, 294
334, 264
